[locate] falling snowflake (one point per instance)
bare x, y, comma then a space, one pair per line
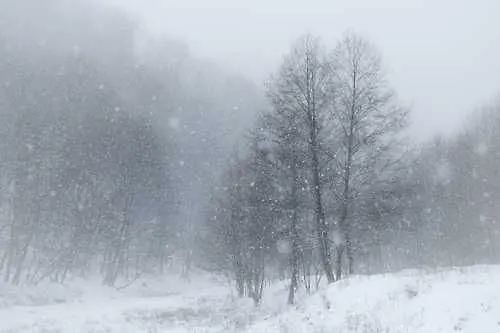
284, 246
337, 238
174, 123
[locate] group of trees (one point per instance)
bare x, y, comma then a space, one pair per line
458, 182
111, 142
320, 174
81, 156
328, 184
104, 140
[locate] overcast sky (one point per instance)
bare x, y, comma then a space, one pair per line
443, 56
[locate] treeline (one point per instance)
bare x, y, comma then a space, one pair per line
329, 185
458, 181
111, 141
102, 142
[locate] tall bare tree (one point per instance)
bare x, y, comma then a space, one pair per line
369, 122
301, 88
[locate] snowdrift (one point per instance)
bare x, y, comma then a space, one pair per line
446, 300
423, 301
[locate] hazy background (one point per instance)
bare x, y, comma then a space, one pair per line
125, 127
440, 54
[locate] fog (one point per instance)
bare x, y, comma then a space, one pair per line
439, 54
257, 141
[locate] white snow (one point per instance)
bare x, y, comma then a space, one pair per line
447, 300
149, 305
452, 300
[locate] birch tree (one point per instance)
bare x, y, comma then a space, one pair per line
369, 122
301, 89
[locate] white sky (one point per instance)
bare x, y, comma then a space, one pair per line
443, 56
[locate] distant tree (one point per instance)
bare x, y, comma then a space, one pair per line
80, 152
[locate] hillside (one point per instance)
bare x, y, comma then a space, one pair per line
447, 300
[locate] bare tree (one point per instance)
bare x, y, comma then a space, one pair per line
368, 122
287, 147
301, 88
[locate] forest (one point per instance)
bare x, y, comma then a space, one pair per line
124, 155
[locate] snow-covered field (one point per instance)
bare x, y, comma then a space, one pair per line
447, 300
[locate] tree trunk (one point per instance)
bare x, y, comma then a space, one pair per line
346, 197
306, 267
321, 226
338, 261
12, 243
20, 262
295, 271
294, 259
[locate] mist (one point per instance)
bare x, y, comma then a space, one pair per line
76, 75
243, 147
438, 55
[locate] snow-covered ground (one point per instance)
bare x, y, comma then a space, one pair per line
447, 300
